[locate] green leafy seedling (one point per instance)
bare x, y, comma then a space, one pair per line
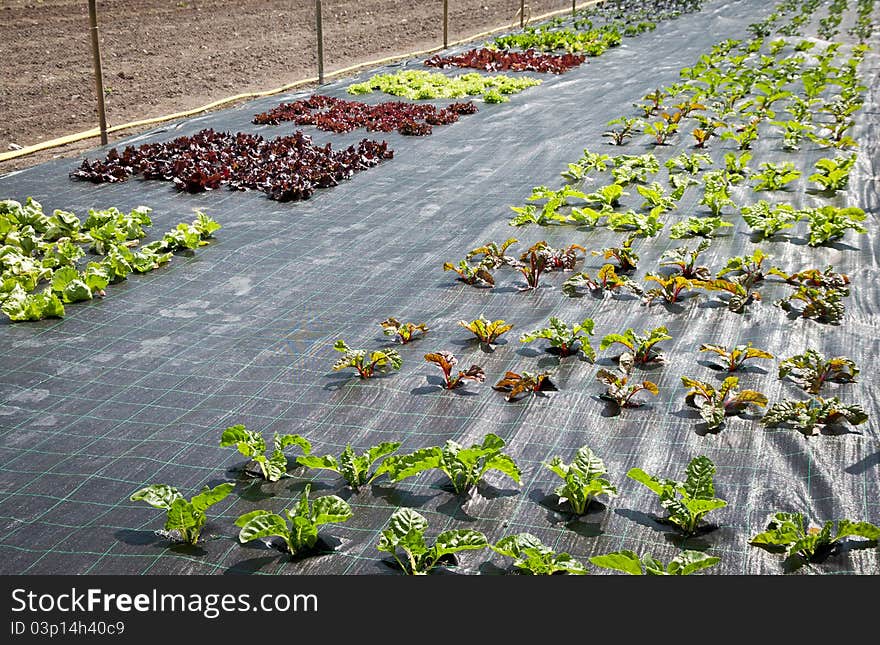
298, 527
683, 564
533, 557
251, 444
354, 468
465, 467
184, 518
790, 533
642, 347
563, 338
583, 480
405, 540
689, 501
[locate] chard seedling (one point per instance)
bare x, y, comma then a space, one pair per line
749, 266
535, 264
298, 527
774, 176
473, 274
766, 220
823, 304
664, 128
465, 467
518, 385
789, 533
688, 501
446, 361
736, 357
493, 255
714, 405
683, 564
829, 223
741, 293
184, 518
607, 281
382, 360
583, 480
251, 444
833, 174
716, 193
827, 278
619, 389
639, 224
694, 226
685, 260
533, 557
668, 289
811, 370
405, 540
642, 347
529, 214
486, 331
564, 339
627, 258
744, 135
405, 332
628, 125
562, 259
793, 132
691, 164
810, 416
354, 468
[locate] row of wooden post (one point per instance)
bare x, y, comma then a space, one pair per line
99, 77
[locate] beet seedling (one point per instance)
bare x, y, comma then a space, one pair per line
809, 416
823, 304
299, 529
533, 557
583, 480
465, 467
688, 501
354, 468
740, 290
405, 332
446, 361
668, 289
627, 258
736, 357
618, 388
520, 384
251, 444
607, 281
184, 519
811, 370
564, 339
486, 331
683, 564
748, 266
685, 260
382, 360
714, 405
493, 255
473, 274
562, 259
406, 534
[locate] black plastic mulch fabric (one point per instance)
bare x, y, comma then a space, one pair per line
137, 388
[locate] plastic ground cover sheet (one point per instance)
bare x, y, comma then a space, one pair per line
137, 388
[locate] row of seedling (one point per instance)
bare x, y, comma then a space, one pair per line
584, 481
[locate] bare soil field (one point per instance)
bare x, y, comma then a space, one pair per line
164, 56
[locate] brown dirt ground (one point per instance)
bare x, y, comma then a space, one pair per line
165, 56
